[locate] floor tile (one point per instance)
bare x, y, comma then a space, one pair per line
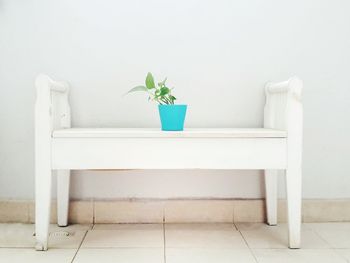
29, 255
258, 226
16, 235
345, 253
297, 256
72, 227
133, 227
22, 235
125, 235
123, 255
328, 226
336, 234
59, 238
264, 236
203, 236
205, 255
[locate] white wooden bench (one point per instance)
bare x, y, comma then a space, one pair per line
277, 146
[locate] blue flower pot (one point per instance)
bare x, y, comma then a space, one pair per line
172, 117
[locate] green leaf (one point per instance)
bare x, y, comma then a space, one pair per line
138, 88
164, 91
172, 98
150, 81
163, 99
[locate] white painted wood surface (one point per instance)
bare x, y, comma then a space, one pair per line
63, 183
283, 110
181, 153
276, 147
157, 133
271, 196
51, 112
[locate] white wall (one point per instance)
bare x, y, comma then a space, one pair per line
218, 55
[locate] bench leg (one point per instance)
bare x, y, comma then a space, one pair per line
293, 183
271, 196
63, 181
43, 178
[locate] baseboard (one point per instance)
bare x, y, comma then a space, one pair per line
176, 211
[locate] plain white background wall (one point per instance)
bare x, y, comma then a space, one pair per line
217, 55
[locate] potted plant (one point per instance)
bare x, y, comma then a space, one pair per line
172, 116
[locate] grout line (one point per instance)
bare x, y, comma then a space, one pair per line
245, 241
335, 250
79, 246
93, 211
317, 234
235, 226
233, 213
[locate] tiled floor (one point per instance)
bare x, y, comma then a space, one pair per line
177, 243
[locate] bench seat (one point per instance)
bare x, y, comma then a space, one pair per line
157, 133
276, 149
151, 148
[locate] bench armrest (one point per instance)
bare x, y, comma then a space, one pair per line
59, 86
293, 86
51, 107
283, 110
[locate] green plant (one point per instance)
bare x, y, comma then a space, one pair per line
160, 93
